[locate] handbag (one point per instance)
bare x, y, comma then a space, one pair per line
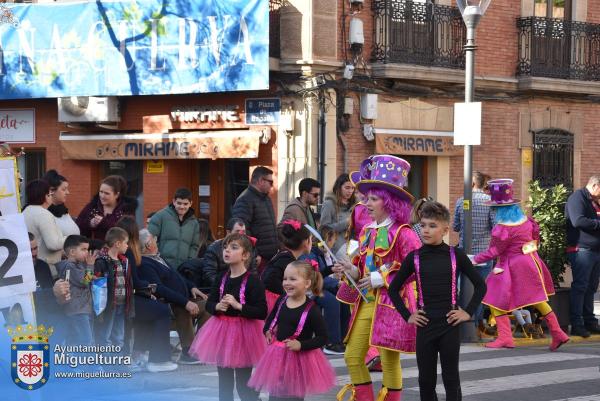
347, 293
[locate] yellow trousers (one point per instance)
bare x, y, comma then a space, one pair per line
542, 307
357, 348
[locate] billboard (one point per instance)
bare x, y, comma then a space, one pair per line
126, 48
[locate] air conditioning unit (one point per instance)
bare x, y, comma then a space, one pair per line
82, 109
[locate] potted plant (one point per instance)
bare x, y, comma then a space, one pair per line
548, 210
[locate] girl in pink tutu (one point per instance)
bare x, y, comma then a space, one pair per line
297, 242
232, 338
294, 365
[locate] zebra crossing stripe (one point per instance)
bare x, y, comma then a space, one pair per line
479, 364
465, 349
594, 397
531, 380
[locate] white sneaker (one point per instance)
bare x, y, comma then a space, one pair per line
156, 367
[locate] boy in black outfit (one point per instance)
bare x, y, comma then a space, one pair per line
436, 267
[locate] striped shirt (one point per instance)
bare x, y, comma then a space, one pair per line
482, 219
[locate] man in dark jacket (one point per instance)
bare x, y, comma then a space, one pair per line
583, 238
177, 229
300, 208
255, 208
185, 299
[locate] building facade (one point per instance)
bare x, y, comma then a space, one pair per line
536, 76
209, 142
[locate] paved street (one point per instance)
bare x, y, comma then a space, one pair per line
523, 374
527, 373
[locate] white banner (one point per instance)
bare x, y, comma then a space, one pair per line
467, 124
9, 193
16, 266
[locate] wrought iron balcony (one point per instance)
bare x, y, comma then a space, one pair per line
556, 48
418, 33
274, 26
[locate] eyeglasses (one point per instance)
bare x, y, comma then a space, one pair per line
269, 181
314, 195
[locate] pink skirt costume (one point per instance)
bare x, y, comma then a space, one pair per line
230, 341
292, 374
525, 279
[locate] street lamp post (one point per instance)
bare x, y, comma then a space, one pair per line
471, 11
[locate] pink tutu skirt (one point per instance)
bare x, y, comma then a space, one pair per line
229, 342
271, 300
292, 374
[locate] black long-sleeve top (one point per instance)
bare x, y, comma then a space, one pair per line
273, 275
256, 303
436, 280
314, 332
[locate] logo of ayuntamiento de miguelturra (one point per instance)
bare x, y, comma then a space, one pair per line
30, 355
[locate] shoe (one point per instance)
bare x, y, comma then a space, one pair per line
593, 329
538, 331
529, 330
155, 367
334, 349
358, 392
505, 338
139, 362
559, 337
386, 394
580, 331
137, 366
186, 359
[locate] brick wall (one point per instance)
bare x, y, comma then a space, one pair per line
158, 188
497, 40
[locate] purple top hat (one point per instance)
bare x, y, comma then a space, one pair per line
383, 171
501, 193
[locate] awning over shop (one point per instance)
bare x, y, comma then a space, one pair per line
416, 143
226, 144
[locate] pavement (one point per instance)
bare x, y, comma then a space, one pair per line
527, 373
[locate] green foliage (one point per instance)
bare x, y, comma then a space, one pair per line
548, 208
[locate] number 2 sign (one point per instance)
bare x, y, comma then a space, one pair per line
16, 266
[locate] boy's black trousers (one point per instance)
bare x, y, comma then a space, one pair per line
438, 337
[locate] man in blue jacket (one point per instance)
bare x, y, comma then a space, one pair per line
583, 237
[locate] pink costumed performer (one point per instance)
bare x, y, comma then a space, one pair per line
384, 243
520, 277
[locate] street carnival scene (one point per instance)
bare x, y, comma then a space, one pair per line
287, 200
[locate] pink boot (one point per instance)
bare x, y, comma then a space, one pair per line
359, 392
389, 395
364, 392
505, 339
559, 337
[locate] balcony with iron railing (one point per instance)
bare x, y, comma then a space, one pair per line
425, 34
557, 48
